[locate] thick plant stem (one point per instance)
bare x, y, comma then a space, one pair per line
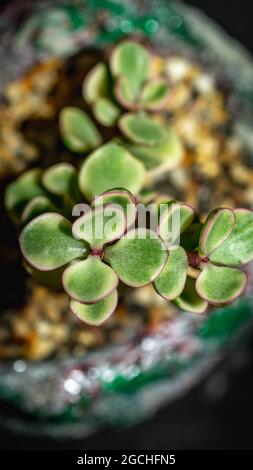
195, 260
97, 252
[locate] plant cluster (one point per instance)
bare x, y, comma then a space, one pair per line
201, 271
198, 269
126, 95
145, 148
61, 186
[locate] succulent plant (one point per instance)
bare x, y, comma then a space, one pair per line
126, 95
190, 263
142, 147
105, 245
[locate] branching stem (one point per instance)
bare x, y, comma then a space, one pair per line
195, 260
97, 252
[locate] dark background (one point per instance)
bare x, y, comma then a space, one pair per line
218, 413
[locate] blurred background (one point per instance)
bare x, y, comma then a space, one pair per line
216, 414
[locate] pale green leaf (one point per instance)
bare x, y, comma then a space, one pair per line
174, 221
131, 60
78, 131
141, 129
47, 242
238, 247
189, 300
101, 225
138, 257
98, 313
217, 227
220, 285
110, 166
38, 205
170, 283
166, 156
119, 197
126, 92
106, 112
155, 94
60, 179
89, 280
22, 190
96, 84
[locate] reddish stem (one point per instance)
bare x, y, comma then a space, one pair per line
195, 260
97, 252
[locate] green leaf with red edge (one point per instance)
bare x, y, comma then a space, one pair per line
96, 84
106, 112
142, 129
131, 60
78, 131
110, 166
97, 313
138, 257
22, 190
127, 93
174, 220
189, 300
170, 283
119, 197
238, 247
47, 242
60, 179
216, 229
90, 280
220, 285
163, 157
155, 94
101, 225
38, 205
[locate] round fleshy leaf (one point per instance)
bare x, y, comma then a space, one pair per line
101, 225
141, 129
170, 283
98, 313
78, 131
189, 300
220, 285
127, 92
119, 197
217, 227
60, 179
110, 166
38, 205
22, 190
238, 247
90, 280
164, 157
130, 60
138, 257
47, 242
155, 94
96, 84
175, 219
106, 112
